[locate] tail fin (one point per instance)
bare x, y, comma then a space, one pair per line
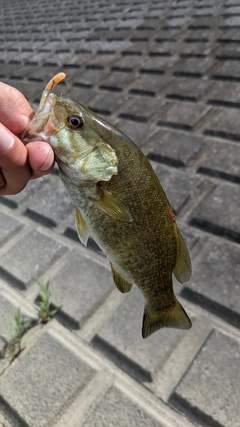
172, 317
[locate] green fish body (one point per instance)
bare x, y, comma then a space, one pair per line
119, 201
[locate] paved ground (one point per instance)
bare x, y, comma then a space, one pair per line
168, 74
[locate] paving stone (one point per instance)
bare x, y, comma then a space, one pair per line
226, 94
138, 132
221, 161
186, 89
17, 199
149, 85
88, 284
116, 409
219, 212
127, 63
174, 148
121, 340
106, 102
214, 283
216, 368
193, 67
179, 186
158, 64
226, 71
224, 124
181, 115
139, 108
7, 312
117, 81
27, 260
9, 227
51, 204
41, 383
162, 48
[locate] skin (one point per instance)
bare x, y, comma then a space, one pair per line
19, 163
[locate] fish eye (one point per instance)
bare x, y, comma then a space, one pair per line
76, 122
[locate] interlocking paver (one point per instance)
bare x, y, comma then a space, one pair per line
215, 281
115, 409
225, 124
176, 148
185, 116
9, 227
216, 366
218, 212
88, 284
41, 383
27, 260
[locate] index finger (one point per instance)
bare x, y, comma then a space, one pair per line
15, 110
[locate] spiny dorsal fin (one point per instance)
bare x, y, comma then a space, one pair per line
81, 227
113, 207
122, 284
182, 270
171, 317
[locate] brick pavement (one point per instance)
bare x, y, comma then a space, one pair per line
168, 74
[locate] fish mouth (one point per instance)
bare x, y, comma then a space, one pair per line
44, 121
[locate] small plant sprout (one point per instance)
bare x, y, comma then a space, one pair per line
14, 340
44, 312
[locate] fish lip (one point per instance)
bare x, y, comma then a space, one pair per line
39, 121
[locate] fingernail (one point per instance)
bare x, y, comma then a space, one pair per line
6, 139
46, 165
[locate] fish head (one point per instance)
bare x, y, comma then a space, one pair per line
77, 136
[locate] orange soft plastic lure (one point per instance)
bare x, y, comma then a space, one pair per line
54, 81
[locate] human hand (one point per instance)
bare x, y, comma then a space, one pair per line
18, 162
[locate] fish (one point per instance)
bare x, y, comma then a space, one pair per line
119, 201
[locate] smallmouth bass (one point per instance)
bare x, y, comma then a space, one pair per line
119, 200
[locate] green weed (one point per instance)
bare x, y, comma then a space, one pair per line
44, 312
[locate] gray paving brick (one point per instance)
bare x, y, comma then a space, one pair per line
137, 131
175, 148
121, 340
9, 227
117, 80
214, 283
51, 204
224, 124
42, 384
225, 94
158, 64
116, 409
7, 312
106, 102
149, 85
186, 89
200, 392
88, 284
29, 258
181, 115
221, 161
139, 108
218, 212
179, 186
193, 66
226, 71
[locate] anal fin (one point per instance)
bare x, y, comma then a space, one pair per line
171, 317
122, 284
81, 227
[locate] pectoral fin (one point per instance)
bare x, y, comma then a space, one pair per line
182, 270
113, 207
171, 317
81, 227
122, 284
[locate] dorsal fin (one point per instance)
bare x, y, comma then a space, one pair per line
182, 270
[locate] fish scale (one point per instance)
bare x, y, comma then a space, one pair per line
120, 202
